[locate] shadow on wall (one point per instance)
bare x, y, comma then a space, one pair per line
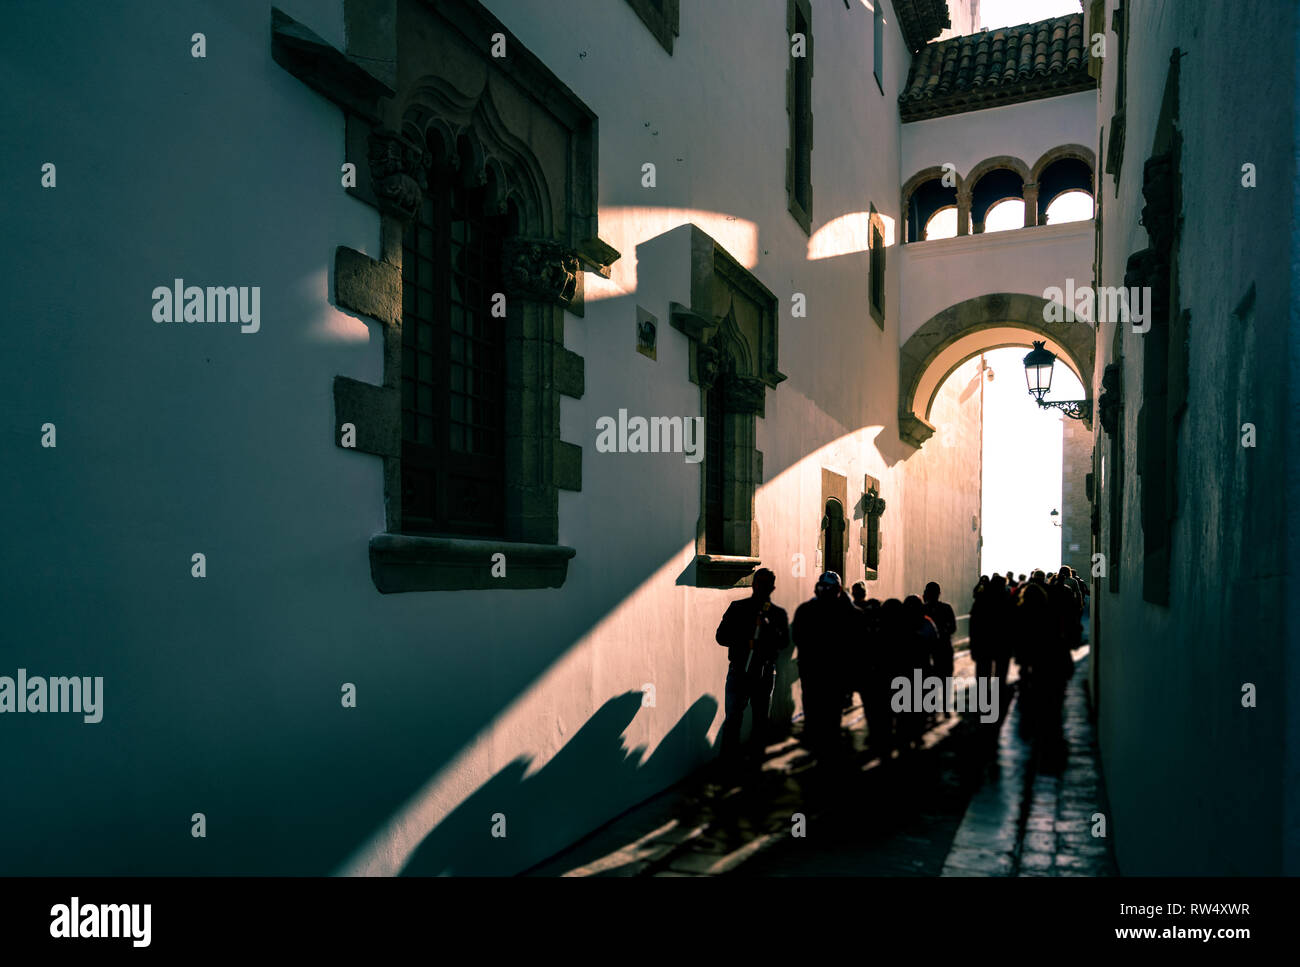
538, 814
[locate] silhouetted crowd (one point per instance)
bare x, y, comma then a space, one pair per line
1036, 621
849, 643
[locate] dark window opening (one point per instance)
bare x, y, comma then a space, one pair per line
924, 201
998, 185
1065, 174
715, 469
878, 43
833, 528
803, 117
877, 268
453, 387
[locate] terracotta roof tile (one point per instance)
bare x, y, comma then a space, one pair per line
993, 67
921, 20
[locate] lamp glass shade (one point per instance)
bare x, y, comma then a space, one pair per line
1038, 370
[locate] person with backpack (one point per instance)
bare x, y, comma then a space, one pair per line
754, 631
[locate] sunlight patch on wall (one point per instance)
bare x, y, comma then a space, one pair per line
338, 327
626, 227
847, 234
572, 689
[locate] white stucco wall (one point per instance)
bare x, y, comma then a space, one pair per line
941, 529
940, 273
1026, 131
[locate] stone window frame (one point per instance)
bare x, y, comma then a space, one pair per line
799, 120
873, 508
835, 487
718, 349
1034, 195
876, 267
663, 19
389, 131
914, 184
969, 207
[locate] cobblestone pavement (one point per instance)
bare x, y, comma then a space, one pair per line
969, 802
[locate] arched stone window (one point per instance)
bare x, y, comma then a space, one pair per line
483, 170
1068, 174
833, 531
926, 194
732, 328
453, 354
991, 187
1062, 169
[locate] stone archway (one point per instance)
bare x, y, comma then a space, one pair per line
977, 325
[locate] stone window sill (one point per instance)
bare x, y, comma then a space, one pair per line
407, 562
724, 571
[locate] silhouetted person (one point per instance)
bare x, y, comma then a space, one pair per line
945, 623
872, 681
856, 651
1045, 664
823, 629
990, 638
1067, 601
754, 632
859, 592
922, 639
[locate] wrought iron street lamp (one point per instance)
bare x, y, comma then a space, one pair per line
1056, 518
1038, 374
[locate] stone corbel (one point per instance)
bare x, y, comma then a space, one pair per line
689, 322
708, 362
699, 329
540, 270
597, 256
914, 430
397, 173
745, 394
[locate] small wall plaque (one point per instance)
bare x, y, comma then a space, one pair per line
647, 332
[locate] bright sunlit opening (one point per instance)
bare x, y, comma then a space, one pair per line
1022, 466
1069, 206
1005, 215
942, 224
